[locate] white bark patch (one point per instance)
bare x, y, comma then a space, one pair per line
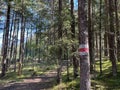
83, 49
83, 46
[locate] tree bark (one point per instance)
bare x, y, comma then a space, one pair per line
117, 30
84, 47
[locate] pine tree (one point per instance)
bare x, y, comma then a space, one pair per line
84, 47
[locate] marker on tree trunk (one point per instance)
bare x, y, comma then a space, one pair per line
83, 49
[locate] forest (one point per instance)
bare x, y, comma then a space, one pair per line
59, 45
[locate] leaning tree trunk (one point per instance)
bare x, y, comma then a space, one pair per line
5, 42
84, 47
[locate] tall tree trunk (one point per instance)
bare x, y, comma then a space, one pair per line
74, 59
10, 37
36, 51
84, 47
16, 41
12, 46
112, 38
5, 42
91, 37
59, 77
106, 29
96, 44
117, 30
100, 36
39, 43
26, 46
21, 50
31, 37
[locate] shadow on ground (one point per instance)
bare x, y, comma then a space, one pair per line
43, 82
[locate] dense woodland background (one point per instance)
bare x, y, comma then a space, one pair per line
42, 35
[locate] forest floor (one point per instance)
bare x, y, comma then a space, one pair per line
41, 82
44, 78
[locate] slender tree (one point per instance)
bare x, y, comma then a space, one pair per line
75, 61
59, 78
106, 28
16, 42
91, 36
112, 47
100, 35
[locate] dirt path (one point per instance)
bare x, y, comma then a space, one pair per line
43, 82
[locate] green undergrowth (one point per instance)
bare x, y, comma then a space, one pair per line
98, 82
107, 80
71, 84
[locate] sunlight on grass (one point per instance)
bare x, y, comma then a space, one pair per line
102, 82
61, 86
106, 80
71, 85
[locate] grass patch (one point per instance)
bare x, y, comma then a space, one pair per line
106, 81
71, 84
101, 82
